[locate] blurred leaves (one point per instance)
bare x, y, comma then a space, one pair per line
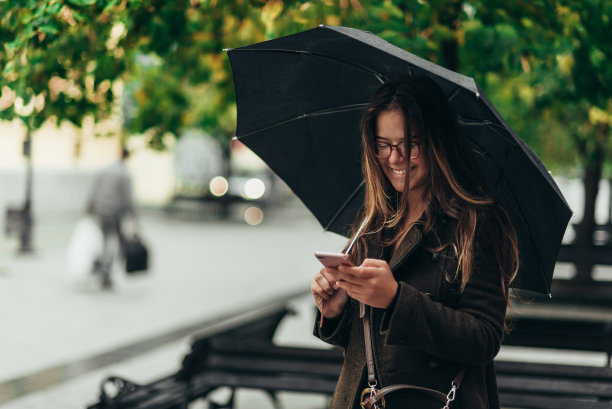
545, 64
47, 41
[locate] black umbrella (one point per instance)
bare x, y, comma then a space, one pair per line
300, 99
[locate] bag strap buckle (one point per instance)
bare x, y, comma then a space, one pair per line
451, 396
369, 401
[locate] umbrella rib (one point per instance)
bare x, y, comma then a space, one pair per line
453, 94
327, 111
475, 122
343, 108
344, 205
337, 60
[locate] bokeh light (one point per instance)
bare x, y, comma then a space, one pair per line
253, 189
253, 216
218, 186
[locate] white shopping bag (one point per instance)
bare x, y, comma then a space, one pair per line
85, 246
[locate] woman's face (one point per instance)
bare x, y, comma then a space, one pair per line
390, 130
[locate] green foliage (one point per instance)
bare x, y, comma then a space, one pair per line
55, 61
543, 63
563, 46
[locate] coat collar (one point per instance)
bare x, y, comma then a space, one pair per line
409, 243
407, 246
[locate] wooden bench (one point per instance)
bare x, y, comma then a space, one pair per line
561, 326
594, 336
262, 365
591, 255
239, 354
549, 386
259, 324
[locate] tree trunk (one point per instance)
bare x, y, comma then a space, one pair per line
586, 227
449, 14
25, 236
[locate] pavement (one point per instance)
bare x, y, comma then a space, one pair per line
57, 332
60, 338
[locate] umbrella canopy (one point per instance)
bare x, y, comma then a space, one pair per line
300, 99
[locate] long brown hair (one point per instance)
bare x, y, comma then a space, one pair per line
454, 187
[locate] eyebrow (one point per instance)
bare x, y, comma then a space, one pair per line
414, 138
386, 139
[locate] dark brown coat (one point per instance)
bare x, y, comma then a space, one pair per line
432, 331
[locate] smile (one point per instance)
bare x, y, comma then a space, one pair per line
399, 172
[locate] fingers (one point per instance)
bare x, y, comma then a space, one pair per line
321, 285
371, 283
374, 262
354, 274
319, 292
370, 268
353, 289
329, 274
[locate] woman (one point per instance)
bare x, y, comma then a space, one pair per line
432, 263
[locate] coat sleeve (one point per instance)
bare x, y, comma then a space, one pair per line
469, 332
90, 206
126, 194
334, 331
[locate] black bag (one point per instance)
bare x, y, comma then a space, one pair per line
135, 253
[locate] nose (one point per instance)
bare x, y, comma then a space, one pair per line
395, 156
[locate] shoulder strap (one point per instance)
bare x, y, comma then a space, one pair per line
371, 401
368, 345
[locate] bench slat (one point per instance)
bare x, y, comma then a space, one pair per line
552, 386
524, 400
265, 365
554, 370
215, 379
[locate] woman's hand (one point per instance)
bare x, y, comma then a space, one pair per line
329, 299
372, 282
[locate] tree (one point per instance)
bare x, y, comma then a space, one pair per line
564, 53
55, 63
162, 61
542, 63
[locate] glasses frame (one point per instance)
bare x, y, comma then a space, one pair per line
413, 145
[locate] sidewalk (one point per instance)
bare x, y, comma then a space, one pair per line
200, 269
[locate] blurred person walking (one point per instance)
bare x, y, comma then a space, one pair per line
110, 202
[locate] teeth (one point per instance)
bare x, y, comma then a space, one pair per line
399, 172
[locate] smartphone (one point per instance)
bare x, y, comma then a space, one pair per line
332, 259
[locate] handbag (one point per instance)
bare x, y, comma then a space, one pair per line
135, 253
373, 398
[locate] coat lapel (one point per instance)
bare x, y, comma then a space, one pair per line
407, 245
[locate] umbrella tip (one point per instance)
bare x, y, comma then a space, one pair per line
234, 138
321, 25
227, 49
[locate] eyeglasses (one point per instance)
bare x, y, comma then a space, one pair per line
383, 150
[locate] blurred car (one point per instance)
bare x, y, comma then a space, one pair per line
208, 181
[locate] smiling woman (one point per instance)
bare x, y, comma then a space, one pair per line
428, 288
391, 147
432, 268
